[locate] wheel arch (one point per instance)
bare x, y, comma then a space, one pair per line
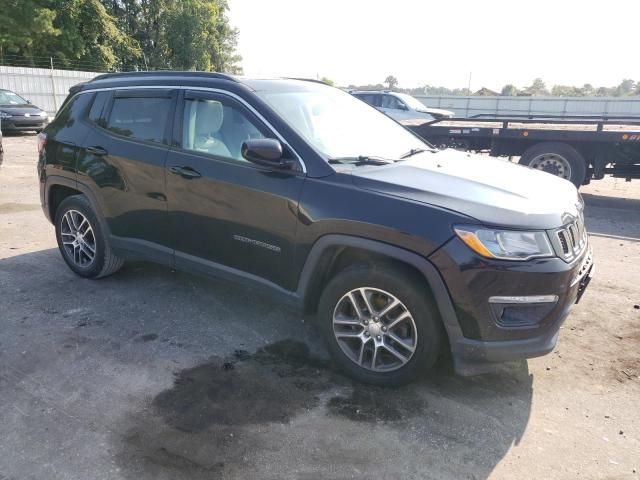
326, 254
58, 188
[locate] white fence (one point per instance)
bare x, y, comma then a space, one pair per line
469, 106
48, 88
43, 87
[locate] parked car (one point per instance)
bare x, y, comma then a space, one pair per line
301, 190
19, 114
401, 107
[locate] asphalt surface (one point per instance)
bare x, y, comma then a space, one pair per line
155, 374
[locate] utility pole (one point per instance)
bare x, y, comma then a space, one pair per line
53, 86
469, 85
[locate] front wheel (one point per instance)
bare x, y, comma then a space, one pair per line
380, 324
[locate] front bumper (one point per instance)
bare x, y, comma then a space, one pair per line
22, 124
482, 338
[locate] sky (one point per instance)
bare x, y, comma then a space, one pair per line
440, 43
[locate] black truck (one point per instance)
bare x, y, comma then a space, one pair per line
578, 148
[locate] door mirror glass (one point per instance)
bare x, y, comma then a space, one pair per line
266, 152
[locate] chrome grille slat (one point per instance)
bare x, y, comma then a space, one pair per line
571, 239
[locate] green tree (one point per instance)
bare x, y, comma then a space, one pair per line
538, 87
509, 90
626, 87
566, 91
189, 28
25, 24
89, 39
391, 81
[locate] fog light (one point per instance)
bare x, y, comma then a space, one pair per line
522, 311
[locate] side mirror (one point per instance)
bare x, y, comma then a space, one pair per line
402, 107
266, 152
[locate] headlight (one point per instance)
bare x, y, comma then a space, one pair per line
4, 115
505, 244
42, 114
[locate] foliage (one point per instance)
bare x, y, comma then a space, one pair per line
119, 34
185, 34
391, 81
538, 87
509, 90
25, 25
328, 81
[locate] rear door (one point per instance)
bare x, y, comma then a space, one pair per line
226, 212
123, 160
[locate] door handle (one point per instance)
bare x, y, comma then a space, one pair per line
185, 172
97, 151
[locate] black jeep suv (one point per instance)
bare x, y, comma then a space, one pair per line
301, 189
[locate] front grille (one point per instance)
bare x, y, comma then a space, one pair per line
571, 239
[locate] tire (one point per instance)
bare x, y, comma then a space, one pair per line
424, 321
550, 156
73, 211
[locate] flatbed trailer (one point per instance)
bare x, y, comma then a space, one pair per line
579, 148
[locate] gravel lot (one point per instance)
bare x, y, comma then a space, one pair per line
154, 374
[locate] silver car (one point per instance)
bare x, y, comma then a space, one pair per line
401, 107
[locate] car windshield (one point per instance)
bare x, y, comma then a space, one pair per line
411, 102
339, 125
10, 98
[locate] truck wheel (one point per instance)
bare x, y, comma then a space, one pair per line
380, 325
559, 159
81, 240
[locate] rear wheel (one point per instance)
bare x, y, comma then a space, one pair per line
82, 241
380, 324
559, 159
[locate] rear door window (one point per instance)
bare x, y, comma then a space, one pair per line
140, 117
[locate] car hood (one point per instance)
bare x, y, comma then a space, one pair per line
436, 111
494, 192
20, 109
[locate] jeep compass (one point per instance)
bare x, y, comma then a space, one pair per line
303, 191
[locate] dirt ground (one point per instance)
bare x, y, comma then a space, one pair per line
154, 374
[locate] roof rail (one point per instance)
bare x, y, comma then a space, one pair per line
305, 80
165, 73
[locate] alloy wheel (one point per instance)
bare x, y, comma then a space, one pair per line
374, 329
78, 239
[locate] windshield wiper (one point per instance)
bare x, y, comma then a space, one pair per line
361, 160
412, 152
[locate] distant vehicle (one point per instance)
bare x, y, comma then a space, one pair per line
401, 107
19, 114
578, 148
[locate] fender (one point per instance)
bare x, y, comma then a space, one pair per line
426, 268
53, 180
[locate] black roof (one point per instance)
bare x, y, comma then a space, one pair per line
191, 78
163, 74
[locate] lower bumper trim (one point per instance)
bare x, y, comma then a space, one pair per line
475, 357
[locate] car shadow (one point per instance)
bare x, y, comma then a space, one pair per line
252, 392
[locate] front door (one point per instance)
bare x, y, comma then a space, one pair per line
225, 212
